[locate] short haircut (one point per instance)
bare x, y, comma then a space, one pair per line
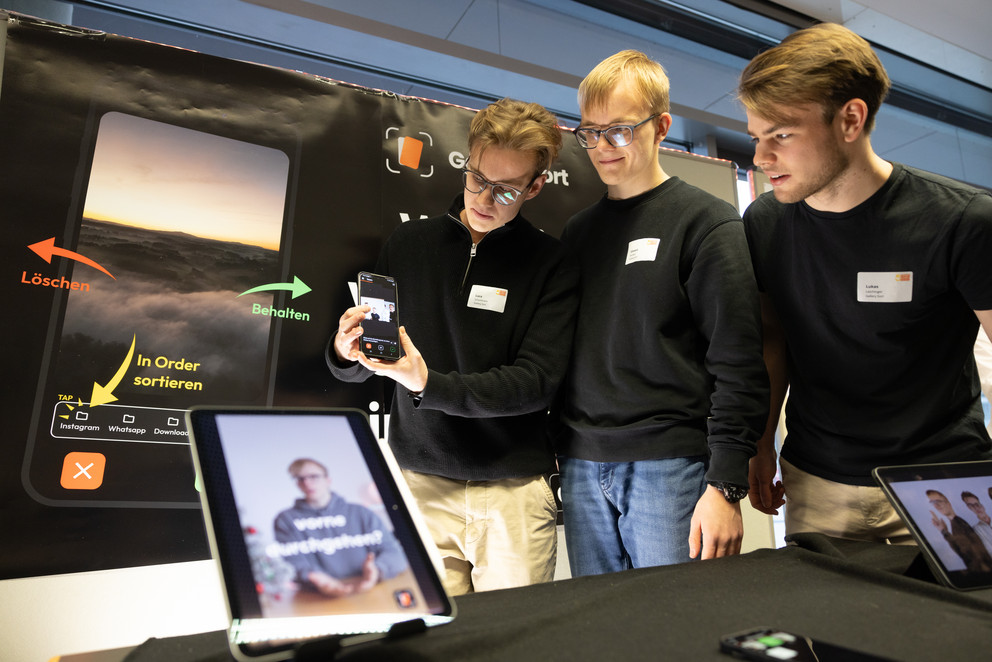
966, 494
826, 64
646, 75
520, 126
295, 467
941, 494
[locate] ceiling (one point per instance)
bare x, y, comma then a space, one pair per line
469, 52
951, 35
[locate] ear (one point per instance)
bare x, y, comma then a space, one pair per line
851, 118
663, 123
536, 186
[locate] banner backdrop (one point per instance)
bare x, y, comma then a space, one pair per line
181, 229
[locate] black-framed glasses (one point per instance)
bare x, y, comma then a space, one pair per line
502, 193
620, 135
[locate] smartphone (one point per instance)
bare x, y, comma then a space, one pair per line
771, 644
381, 328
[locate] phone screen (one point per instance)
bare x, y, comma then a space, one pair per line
381, 328
773, 644
157, 325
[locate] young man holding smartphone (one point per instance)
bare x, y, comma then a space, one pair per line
491, 301
667, 392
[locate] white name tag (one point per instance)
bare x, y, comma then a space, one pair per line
642, 250
487, 298
885, 286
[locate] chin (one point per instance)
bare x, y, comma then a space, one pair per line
788, 197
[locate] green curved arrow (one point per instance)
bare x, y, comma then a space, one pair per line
297, 287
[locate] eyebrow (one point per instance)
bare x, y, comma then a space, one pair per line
771, 130
614, 122
505, 182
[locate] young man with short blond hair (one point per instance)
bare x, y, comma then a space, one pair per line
667, 392
491, 301
875, 279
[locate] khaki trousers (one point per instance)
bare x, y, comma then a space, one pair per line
491, 534
855, 512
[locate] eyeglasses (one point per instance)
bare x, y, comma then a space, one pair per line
303, 478
503, 194
620, 135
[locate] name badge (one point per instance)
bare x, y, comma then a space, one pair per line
487, 298
885, 286
642, 250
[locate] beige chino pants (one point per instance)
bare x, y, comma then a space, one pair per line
491, 534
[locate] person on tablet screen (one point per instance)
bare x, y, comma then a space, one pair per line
336, 547
959, 534
984, 525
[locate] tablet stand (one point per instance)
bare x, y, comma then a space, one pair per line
920, 569
326, 648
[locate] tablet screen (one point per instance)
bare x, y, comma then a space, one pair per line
948, 509
309, 527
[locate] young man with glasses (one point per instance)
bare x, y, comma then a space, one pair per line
666, 393
491, 302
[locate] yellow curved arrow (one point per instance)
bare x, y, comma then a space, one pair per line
104, 394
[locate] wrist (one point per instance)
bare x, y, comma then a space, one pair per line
732, 493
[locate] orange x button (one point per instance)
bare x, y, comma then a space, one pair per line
83, 471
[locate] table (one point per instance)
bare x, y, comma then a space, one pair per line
867, 596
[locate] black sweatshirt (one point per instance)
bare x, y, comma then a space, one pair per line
668, 356
492, 375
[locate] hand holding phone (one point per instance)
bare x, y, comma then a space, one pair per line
380, 330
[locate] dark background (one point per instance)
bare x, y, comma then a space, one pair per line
344, 199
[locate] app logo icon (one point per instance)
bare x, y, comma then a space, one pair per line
83, 471
404, 598
409, 150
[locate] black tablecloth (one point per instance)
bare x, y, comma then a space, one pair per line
876, 598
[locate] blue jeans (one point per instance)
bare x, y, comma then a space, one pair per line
622, 515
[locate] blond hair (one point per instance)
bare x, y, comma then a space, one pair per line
826, 64
647, 76
520, 126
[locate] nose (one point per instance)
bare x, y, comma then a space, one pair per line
763, 156
604, 143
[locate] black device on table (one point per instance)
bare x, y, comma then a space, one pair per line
775, 645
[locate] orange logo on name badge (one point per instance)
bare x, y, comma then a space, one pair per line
501, 293
902, 277
83, 471
410, 150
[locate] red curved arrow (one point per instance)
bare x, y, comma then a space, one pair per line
46, 249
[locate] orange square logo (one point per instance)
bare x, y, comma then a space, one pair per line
83, 471
410, 150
